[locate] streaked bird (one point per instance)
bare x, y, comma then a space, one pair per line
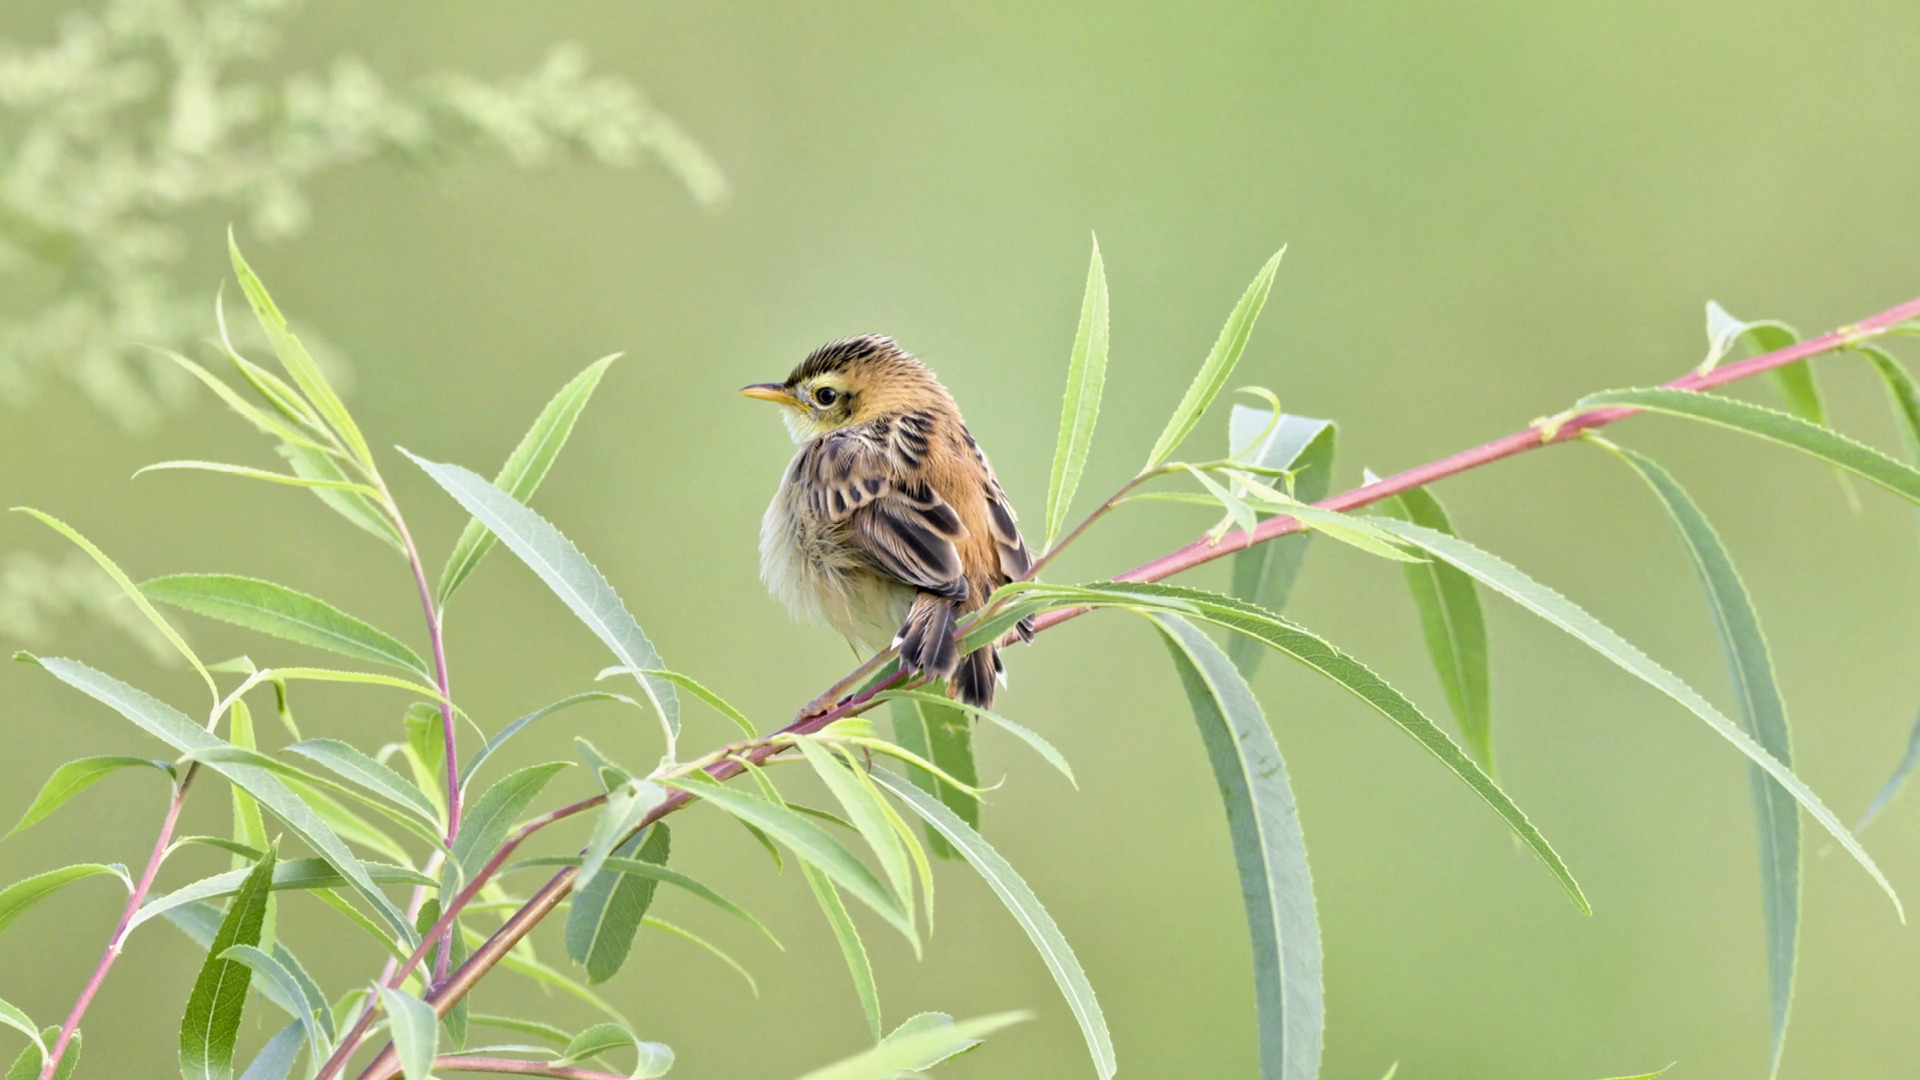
889, 524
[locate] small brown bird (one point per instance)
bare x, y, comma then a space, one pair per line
889, 524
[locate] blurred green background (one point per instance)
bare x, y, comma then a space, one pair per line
1492, 208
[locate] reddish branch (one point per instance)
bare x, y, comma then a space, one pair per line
1206, 549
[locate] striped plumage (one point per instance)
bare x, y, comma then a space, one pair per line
889, 524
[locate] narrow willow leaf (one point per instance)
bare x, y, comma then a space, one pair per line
577, 582
1213, 374
21, 1022
658, 872
364, 678
350, 762
473, 763
1346, 528
284, 613
1894, 783
716, 951
950, 750
1645, 1076
310, 788
925, 1023
251, 473
867, 815
16, 898
1902, 395
28, 1065
537, 1028
272, 389
607, 910
720, 704
1238, 512
852, 948
525, 468
522, 962
806, 840
299, 364
302, 874
652, 1059
1762, 714
357, 508
1311, 650
270, 970
910, 734
1264, 573
249, 826
1770, 424
1080, 411
75, 777
1451, 622
127, 586
201, 922
172, 727
212, 1022
415, 1031
275, 1060
1275, 883
1026, 735
266, 423
627, 806
484, 827
1026, 909
911, 1052
1503, 578
1793, 382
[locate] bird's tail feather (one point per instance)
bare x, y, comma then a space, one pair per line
978, 674
926, 638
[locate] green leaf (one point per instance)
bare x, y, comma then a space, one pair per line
924, 1023
27, 1065
657, 872
1895, 782
652, 1059
913, 1051
606, 912
522, 963
350, 762
1503, 578
287, 874
851, 947
1770, 424
250, 473
577, 582
266, 423
525, 468
284, 613
19, 1021
275, 1060
271, 971
806, 840
1762, 714
942, 736
172, 727
212, 1021
363, 512
536, 1028
627, 806
1902, 395
415, 1030
1026, 735
1309, 649
16, 898
867, 815
1080, 411
1268, 848
1213, 374
720, 704
473, 763
1027, 911
249, 827
1451, 621
719, 953
75, 777
1264, 573
309, 787
299, 364
486, 824
126, 586
1793, 382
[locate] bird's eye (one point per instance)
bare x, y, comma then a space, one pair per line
826, 395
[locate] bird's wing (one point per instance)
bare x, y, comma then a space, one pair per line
873, 477
1012, 548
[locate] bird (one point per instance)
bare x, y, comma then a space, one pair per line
889, 525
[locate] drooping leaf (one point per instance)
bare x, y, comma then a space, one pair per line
275, 1060
1451, 621
1793, 382
415, 1031
284, 613
211, 1024
806, 840
577, 582
521, 962
1271, 853
1264, 573
1762, 714
657, 872
1080, 411
942, 735
847, 936
270, 970
1026, 735
299, 364
472, 766
864, 810
525, 468
1503, 578
485, 826
627, 806
687, 683
75, 777
1218, 367
1307, 648
652, 1059
607, 911
1770, 424
363, 512
1026, 909
709, 947
287, 874
16, 898
127, 586
914, 1051
172, 727
1903, 396
350, 762
1894, 783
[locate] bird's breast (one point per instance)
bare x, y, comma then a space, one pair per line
813, 567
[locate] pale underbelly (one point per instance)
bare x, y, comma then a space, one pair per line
821, 579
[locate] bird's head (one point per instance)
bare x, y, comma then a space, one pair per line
846, 382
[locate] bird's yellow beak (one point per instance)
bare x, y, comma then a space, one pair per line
770, 391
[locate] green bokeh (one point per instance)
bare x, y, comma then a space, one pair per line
1491, 207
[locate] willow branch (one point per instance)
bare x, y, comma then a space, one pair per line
1203, 550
